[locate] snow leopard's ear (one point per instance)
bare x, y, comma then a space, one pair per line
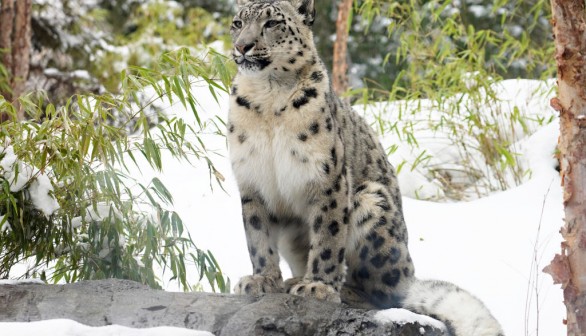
305, 8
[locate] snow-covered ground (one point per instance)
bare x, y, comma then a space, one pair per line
495, 246
71, 328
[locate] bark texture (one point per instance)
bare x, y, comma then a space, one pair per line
569, 267
15, 45
340, 64
127, 303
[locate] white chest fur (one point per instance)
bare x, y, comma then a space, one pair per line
267, 155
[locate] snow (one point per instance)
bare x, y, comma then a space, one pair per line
15, 172
20, 175
21, 282
494, 246
81, 74
40, 191
403, 316
97, 214
461, 164
51, 72
61, 327
479, 11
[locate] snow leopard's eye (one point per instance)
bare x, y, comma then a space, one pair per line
272, 23
237, 24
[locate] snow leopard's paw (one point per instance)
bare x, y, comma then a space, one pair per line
258, 284
289, 283
315, 289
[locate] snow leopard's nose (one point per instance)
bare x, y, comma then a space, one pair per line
244, 47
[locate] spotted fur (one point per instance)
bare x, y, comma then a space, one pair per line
315, 182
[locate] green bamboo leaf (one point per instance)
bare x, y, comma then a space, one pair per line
178, 90
162, 190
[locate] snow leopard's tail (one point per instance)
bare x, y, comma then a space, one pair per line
462, 313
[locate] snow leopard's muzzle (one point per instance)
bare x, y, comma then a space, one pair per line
247, 57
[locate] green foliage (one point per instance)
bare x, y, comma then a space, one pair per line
437, 38
106, 37
452, 55
150, 29
198, 27
107, 224
520, 45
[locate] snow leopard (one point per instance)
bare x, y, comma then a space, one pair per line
315, 183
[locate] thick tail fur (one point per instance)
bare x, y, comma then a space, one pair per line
462, 313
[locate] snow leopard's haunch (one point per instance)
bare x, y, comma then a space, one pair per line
315, 183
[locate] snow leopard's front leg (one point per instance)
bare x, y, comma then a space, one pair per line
262, 249
328, 221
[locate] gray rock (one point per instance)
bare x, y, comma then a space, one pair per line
127, 303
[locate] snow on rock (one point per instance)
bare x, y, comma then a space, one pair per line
404, 316
62, 327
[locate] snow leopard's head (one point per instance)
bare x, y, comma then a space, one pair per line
272, 34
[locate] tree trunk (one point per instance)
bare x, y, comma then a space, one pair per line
340, 64
569, 267
15, 45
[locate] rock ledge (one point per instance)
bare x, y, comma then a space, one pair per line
127, 303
